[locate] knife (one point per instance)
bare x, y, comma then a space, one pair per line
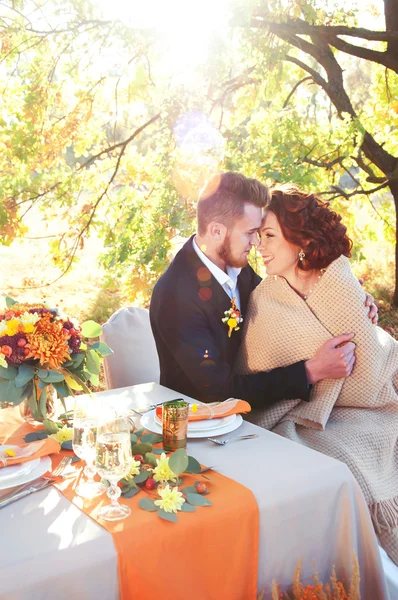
25, 490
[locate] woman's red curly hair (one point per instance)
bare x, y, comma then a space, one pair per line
309, 223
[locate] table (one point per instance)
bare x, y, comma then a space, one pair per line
310, 506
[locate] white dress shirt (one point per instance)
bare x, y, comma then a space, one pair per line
228, 280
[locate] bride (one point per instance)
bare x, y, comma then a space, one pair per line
310, 295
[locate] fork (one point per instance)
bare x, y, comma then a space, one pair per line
36, 485
239, 437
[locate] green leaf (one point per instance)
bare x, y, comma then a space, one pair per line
141, 448
139, 432
178, 461
151, 438
77, 360
42, 403
187, 507
25, 374
94, 379
50, 426
32, 400
53, 377
10, 301
42, 373
93, 364
61, 388
198, 500
158, 450
151, 459
147, 504
193, 465
167, 516
133, 438
130, 492
9, 392
141, 477
102, 348
8, 372
190, 489
91, 329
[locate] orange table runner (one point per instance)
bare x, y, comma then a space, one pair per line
211, 554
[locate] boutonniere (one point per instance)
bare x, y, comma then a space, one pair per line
232, 318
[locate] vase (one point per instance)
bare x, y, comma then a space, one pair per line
35, 416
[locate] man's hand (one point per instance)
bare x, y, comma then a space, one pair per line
334, 359
373, 310
370, 301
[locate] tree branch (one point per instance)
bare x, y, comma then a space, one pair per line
286, 102
381, 58
304, 28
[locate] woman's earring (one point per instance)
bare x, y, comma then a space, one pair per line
301, 255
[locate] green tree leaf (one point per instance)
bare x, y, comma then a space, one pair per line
25, 374
147, 504
167, 516
102, 348
193, 465
187, 507
151, 438
198, 500
8, 372
9, 392
151, 459
130, 492
91, 329
10, 301
53, 377
141, 477
93, 364
178, 461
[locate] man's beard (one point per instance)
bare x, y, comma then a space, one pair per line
225, 253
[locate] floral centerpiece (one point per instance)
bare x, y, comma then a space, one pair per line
40, 347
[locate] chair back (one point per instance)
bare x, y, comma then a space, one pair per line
134, 360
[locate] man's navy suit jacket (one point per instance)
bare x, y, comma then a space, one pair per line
196, 355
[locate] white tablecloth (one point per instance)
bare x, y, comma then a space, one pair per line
310, 507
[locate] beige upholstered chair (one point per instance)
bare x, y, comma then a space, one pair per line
134, 360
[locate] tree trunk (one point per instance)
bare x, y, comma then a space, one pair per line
394, 191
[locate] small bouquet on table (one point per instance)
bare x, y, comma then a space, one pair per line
43, 351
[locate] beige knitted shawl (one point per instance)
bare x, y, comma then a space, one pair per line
355, 419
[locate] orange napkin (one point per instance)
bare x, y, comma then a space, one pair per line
215, 410
30, 451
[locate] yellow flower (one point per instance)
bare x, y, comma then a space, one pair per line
3, 327
171, 499
134, 469
63, 435
28, 321
162, 471
12, 326
9, 452
3, 362
232, 323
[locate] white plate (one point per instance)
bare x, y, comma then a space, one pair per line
148, 421
19, 474
205, 424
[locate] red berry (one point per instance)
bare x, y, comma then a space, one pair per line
201, 488
139, 457
150, 483
72, 331
21, 342
6, 350
25, 351
65, 331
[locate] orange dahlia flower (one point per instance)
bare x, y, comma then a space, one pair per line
48, 344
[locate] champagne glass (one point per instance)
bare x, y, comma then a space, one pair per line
113, 462
85, 421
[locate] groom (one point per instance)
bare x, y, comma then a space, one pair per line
207, 275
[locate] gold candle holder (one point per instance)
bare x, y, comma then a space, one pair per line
175, 424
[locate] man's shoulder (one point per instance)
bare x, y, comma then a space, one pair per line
178, 276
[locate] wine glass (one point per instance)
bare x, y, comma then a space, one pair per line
113, 462
85, 421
